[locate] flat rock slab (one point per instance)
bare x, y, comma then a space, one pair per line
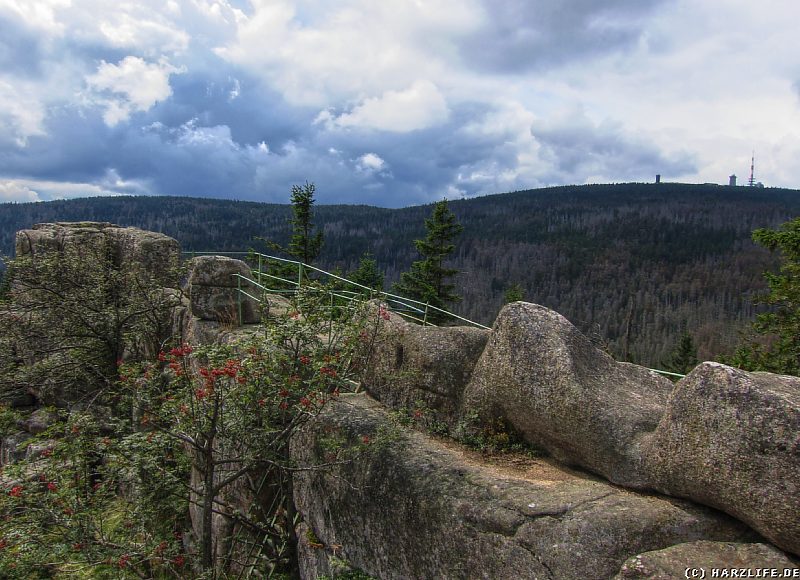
412, 506
729, 560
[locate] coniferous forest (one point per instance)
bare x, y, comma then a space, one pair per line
635, 266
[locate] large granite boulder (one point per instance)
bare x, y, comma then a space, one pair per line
157, 253
422, 367
731, 439
560, 393
677, 561
213, 286
411, 506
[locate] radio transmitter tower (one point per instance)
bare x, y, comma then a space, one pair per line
752, 181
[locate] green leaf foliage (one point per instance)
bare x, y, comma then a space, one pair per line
72, 314
111, 497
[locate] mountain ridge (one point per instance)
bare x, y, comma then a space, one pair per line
632, 264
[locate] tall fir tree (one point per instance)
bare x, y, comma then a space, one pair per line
305, 245
428, 280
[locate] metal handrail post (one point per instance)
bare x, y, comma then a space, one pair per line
330, 323
239, 299
260, 267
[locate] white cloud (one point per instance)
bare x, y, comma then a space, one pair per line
219, 10
21, 113
418, 107
370, 163
14, 191
37, 14
317, 52
24, 190
685, 85
198, 136
135, 84
235, 91
149, 36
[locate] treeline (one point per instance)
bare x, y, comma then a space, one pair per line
633, 265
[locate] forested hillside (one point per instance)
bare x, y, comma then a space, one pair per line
633, 265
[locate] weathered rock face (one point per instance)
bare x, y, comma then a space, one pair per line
212, 288
156, 253
427, 366
13, 447
547, 380
39, 421
419, 508
731, 439
673, 562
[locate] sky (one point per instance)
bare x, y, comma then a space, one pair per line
392, 102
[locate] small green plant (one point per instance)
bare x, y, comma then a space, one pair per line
313, 540
495, 436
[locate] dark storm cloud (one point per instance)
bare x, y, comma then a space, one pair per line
579, 150
521, 35
229, 97
76, 147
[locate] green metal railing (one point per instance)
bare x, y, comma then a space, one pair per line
406, 307
347, 290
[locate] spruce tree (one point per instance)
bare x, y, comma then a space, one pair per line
428, 279
775, 347
514, 293
305, 245
367, 274
684, 356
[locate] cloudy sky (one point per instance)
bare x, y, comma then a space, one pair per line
392, 102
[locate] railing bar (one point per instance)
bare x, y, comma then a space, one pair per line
385, 296
671, 374
250, 296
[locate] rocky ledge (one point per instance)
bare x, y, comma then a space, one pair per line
413, 506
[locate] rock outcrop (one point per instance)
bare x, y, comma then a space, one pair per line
546, 379
414, 507
156, 253
212, 286
731, 439
414, 366
675, 561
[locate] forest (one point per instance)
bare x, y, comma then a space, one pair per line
635, 266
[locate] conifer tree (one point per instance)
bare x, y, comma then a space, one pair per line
514, 293
305, 245
776, 346
428, 279
684, 356
367, 274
